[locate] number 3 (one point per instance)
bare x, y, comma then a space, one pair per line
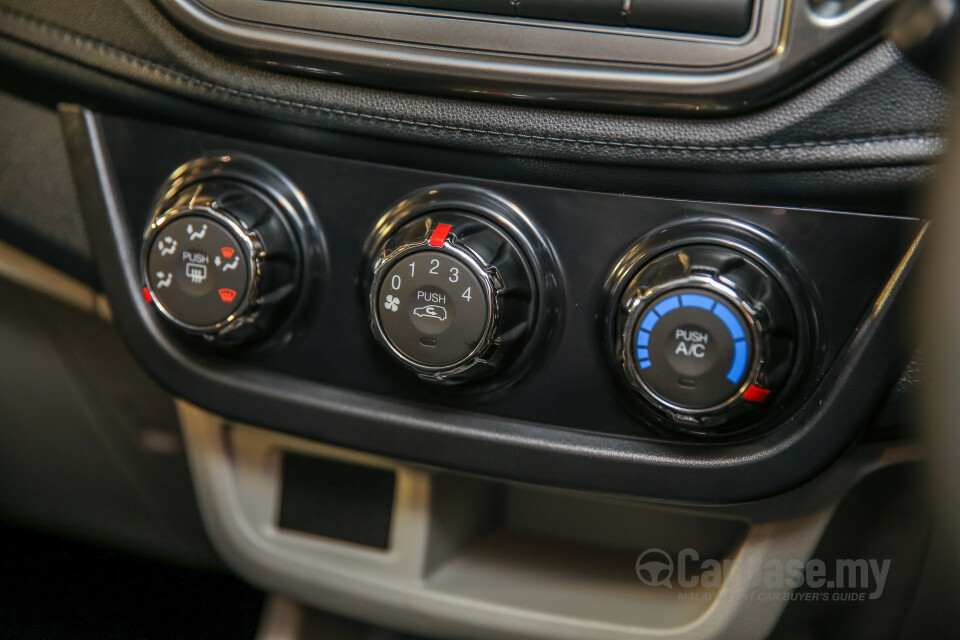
454, 274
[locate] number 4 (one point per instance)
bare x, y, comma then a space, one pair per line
466, 295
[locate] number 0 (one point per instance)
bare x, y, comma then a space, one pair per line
395, 282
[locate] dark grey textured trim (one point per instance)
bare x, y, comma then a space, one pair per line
841, 122
39, 212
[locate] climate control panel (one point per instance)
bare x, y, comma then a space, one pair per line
555, 336
707, 325
704, 332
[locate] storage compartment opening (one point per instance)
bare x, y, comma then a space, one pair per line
574, 555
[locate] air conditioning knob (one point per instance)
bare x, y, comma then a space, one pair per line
705, 335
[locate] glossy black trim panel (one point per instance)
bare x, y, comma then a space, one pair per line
822, 426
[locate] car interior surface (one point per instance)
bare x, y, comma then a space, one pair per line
479, 319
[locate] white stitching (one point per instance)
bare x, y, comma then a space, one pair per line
83, 40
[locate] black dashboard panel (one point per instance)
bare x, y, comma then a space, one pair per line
564, 422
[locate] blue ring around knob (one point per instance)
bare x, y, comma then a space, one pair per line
650, 319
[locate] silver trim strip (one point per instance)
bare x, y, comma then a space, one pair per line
522, 59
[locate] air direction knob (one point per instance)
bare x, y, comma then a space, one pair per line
220, 258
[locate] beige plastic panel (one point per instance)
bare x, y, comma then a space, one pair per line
472, 557
25, 270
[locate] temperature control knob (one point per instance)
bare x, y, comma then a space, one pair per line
705, 335
452, 297
220, 258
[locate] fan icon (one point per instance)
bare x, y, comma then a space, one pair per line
392, 303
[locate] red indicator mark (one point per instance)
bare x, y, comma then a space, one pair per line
755, 394
227, 252
440, 235
227, 295
146, 296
